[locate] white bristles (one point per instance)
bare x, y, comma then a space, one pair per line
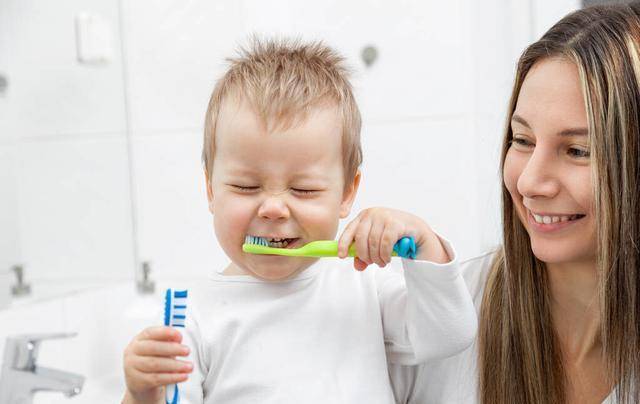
256, 240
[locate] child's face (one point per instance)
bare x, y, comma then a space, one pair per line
547, 169
283, 184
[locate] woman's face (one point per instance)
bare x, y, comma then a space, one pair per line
547, 169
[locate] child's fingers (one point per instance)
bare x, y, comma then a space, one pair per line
151, 364
144, 381
374, 238
347, 236
388, 239
359, 264
160, 333
158, 348
362, 240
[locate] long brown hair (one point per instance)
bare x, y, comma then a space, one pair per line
519, 358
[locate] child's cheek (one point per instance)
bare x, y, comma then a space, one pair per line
320, 217
233, 216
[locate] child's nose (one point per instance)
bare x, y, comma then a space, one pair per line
274, 208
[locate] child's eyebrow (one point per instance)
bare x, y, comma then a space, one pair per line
240, 171
309, 176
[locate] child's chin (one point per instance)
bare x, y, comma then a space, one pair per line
275, 275
280, 269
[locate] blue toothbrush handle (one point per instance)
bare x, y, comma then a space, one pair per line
406, 248
172, 398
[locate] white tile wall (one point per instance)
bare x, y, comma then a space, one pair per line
175, 228
174, 51
409, 164
74, 215
49, 92
9, 247
65, 122
422, 65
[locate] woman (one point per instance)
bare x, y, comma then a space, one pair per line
559, 303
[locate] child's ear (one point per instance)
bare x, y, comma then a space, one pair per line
349, 195
209, 191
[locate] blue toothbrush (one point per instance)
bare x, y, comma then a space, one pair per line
175, 314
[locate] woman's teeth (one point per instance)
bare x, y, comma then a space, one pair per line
554, 219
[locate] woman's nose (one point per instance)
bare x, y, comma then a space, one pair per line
274, 208
539, 176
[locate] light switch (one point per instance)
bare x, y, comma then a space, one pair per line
94, 39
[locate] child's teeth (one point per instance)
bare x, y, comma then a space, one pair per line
278, 244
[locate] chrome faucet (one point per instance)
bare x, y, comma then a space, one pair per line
20, 288
146, 285
21, 378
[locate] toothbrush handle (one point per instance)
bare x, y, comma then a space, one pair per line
405, 248
171, 394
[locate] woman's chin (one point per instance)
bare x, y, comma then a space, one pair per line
560, 253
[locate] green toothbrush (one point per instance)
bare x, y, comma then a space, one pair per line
405, 248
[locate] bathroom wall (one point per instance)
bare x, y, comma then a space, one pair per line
64, 123
106, 156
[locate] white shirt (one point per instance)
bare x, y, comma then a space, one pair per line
451, 380
325, 336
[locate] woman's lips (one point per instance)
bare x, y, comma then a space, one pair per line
552, 223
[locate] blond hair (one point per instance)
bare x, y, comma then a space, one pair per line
283, 80
520, 360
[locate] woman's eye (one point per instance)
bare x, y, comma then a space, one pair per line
578, 152
521, 142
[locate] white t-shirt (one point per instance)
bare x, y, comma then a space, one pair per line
325, 336
452, 380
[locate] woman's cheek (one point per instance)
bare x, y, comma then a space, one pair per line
511, 173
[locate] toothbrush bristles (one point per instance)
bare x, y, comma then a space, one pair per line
256, 240
175, 308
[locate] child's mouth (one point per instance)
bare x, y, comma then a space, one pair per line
280, 242
274, 242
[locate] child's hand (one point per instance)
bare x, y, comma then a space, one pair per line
375, 231
149, 364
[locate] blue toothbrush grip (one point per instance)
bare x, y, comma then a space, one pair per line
406, 248
172, 399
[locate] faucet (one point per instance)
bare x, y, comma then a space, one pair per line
21, 378
146, 285
21, 288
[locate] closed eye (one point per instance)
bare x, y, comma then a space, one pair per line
300, 191
243, 188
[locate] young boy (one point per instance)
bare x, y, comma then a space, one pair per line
281, 157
